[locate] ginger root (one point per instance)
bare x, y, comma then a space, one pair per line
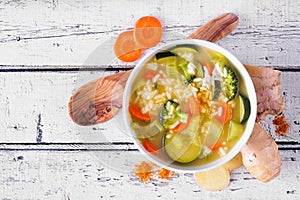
268, 91
260, 155
235, 163
214, 179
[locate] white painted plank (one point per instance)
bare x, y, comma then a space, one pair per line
24, 96
109, 175
102, 146
66, 32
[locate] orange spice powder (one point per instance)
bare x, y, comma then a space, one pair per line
281, 124
145, 171
165, 173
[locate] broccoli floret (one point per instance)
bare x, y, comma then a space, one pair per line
171, 114
230, 82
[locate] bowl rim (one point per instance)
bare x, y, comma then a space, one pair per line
251, 95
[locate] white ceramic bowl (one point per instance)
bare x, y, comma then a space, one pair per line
190, 167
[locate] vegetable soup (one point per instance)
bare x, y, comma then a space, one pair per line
188, 104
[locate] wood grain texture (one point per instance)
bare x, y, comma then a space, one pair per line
109, 175
98, 101
217, 28
47, 93
66, 32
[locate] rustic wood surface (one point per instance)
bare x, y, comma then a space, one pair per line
46, 52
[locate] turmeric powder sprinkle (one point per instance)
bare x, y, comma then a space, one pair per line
145, 171
281, 124
165, 173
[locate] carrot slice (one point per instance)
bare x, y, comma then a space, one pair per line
209, 67
193, 106
147, 31
180, 127
150, 75
136, 112
149, 146
225, 116
217, 146
126, 49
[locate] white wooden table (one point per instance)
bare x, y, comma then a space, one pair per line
43, 50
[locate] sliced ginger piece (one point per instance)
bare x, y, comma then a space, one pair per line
213, 180
235, 163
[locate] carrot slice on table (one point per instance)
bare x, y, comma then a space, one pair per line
126, 49
147, 31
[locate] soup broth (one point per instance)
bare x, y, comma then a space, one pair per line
188, 104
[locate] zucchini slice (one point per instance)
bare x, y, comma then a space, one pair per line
216, 89
200, 69
186, 146
214, 133
164, 54
189, 53
166, 58
148, 131
242, 109
185, 48
235, 130
172, 71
